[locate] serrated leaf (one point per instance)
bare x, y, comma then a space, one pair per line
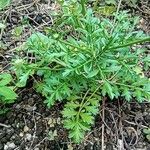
107, 89
66, 72
92, 73
23, 79
72, 105
127, 94
69, 124
69, 113
76, 134
91, 109
7, 93
50, 100
86, 117
5, 79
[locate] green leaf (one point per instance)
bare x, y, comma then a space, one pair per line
86, 117
2, 26
148, 137
146, 131
7, 93
23, 79
17, 31
4, 3
5, 79
93, 110
92, 73
69, 113
66, 72
76, 134
127, 94
69, 123
107, 88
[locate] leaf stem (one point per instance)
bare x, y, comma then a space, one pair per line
130, 43
83, 7
83, 104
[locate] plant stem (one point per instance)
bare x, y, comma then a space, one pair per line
74, 46
83, 104
116, 15
131, 43
83, 7
95, 5
129, 86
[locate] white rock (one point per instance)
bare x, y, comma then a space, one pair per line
9, 145
26, 129
21, 134
5, 147
28, 137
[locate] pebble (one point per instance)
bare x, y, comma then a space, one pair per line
31, 108
9, 145
26, 129
28, 137
17, 106
5, 147
50, 121
36, 148
58, 120
21, 134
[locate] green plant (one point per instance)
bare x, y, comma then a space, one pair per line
7, 95
147, 133
131, 3
4, 3
83, 60
109, 6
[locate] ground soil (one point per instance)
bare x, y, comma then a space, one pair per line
30, 125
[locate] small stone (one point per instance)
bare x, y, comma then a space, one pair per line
54, 121
30, 108
55, 133
145, 113
52, 125
50, 121
17, 106
28, 137
70, 147
26, 129
58, 120
11, 145
36, 148
21, 134
6, 147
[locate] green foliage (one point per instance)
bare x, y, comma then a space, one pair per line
7, 95
147, 133
4, 3
2, 26
17, 31
131, 3
83, 59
